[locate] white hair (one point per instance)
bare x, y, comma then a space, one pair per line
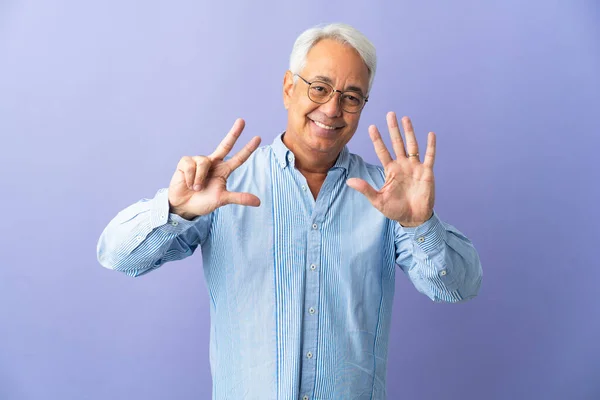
343, 33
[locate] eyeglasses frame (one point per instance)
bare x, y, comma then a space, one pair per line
333, 91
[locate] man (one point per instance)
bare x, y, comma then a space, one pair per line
299, 248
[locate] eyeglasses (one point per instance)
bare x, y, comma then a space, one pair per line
321, 92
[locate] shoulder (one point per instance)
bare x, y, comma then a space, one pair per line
255, 169
261, 155
359, 168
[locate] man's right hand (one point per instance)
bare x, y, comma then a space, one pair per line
199, 185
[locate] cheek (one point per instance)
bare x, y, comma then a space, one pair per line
352, 122
303, 107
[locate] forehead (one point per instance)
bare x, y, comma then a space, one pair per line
339, 62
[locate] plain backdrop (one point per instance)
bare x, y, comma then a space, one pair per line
100, 99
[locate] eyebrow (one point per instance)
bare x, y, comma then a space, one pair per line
328, 80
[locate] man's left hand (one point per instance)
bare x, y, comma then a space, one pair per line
408, 194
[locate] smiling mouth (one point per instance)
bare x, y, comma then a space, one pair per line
328, 127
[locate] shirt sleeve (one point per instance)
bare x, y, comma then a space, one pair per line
145, 235
440, 261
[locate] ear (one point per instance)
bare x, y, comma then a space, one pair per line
288, 88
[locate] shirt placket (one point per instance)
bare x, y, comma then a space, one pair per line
313, 266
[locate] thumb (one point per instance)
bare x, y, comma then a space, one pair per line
243, 199
363, 187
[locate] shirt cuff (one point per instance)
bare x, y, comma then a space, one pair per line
161, 218
429, 236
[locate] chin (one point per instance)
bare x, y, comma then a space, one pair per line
321, 141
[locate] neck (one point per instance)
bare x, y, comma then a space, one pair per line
309, 161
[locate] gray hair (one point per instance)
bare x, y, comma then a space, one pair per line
343, 33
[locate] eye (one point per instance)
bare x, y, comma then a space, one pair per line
318, 88
351, 99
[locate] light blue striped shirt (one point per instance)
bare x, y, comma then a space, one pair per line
300, 290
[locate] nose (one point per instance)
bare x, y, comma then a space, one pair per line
332, 108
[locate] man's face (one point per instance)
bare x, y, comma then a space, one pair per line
343, 68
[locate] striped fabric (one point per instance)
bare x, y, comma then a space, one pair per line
300, 290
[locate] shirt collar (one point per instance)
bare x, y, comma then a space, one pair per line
285, 156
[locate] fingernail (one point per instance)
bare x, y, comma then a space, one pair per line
197, 187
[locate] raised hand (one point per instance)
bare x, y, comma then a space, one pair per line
199, 185
408, 194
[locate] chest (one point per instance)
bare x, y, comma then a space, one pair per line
315, 183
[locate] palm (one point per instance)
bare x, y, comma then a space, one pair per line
206, 200
408, 194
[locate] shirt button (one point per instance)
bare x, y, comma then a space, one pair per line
304, 188
309, 355
313, 267
421, 239
305, 398
290, 157
315, 226
174, 223
138, 238
311, 310
443, 272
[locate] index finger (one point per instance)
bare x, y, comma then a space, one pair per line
242, 155
229, 141
382, 152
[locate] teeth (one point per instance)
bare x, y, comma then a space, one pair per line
324, 126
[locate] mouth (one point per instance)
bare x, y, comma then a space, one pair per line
326, 127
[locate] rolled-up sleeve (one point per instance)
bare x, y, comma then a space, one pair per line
440, 261
145, 235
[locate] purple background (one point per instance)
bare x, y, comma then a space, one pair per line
98, 101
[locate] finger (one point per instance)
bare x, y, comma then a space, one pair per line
188, 167
363, 187
382, 152
395, 135
242, 155
430, 154
229, 141
243, 199
202, 167
178, 178
411, 141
